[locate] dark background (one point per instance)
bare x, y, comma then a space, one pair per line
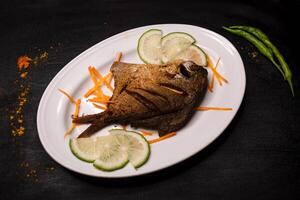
257, 157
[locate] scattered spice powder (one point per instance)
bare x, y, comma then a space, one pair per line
40, 58
32, 171
23, 75
253, 54
23, 62
16, 115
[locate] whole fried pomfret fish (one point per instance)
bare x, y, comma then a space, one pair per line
159, 97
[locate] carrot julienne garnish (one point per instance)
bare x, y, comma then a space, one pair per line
216, 74
98, 93
76, 113
102, 79
109, 78
77, 107
98, 80
162, 138
67, 95
146, 133
93, 75
89, 92
204, 108
211, 84
99, 106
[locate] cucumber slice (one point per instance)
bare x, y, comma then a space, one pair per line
174, 43
84, 149
134, 144
149, 46
111, 156
193, 53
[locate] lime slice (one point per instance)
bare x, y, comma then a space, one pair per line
110, 154
84, 149
134, 144
174, 43
113, 151
193, 53
149, 46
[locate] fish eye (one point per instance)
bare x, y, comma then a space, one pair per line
184, 71
186, 68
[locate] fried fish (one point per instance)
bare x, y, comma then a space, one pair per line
159, 97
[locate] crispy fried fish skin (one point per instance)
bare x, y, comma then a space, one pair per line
159, 97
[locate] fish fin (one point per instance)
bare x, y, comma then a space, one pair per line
87, 119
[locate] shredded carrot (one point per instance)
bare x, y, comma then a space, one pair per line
70, 130
109, 78
97, 84
102, 79
98, 93
219, 77
211, 84
209, 62
107, 81
69, 96
118, 57
204, 108
93, 75
147, 133
77, 107
162, 138
76, 113
89, 92
100, 106
98, 100
97, 74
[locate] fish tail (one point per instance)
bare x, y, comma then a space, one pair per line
88, 119
91, 130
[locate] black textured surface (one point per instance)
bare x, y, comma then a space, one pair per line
257, 157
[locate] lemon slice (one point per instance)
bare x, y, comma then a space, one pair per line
134, 144
193, 53
149, 46
174, 43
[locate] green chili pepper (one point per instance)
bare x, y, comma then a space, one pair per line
265, 39
258, 44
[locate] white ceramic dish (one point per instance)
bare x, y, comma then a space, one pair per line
54, 110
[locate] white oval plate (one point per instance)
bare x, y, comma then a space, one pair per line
54, 110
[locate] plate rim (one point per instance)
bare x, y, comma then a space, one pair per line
68, 67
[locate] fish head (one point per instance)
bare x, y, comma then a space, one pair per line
183, 69
183, 77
